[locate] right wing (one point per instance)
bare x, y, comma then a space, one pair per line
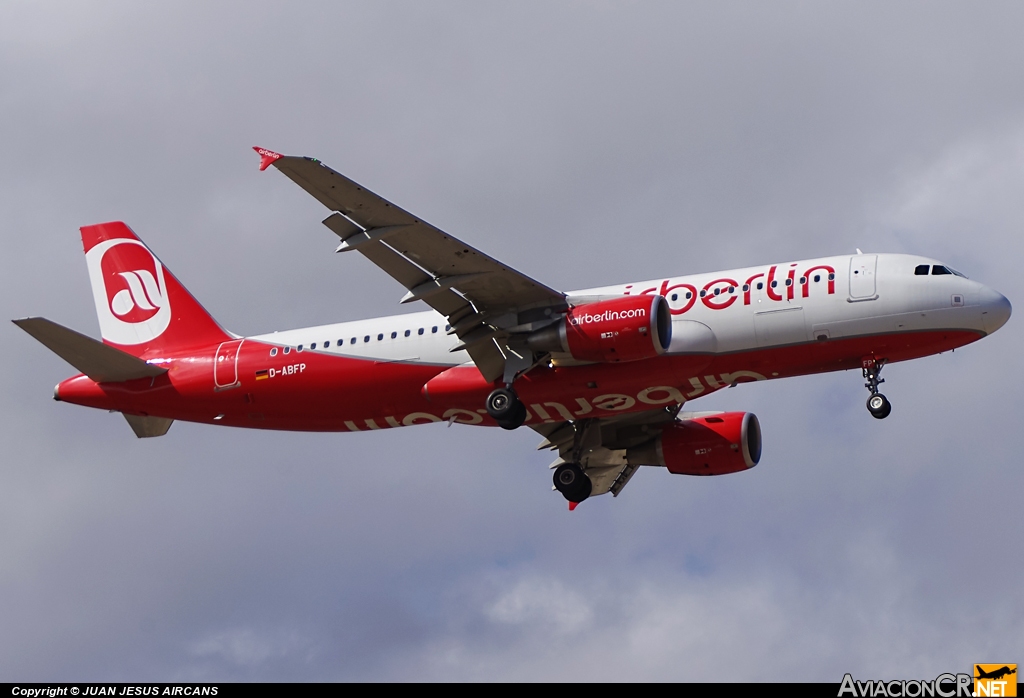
482, 298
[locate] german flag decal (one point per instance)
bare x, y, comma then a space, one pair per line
262, 375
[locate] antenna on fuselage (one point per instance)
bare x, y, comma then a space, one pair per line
858, 251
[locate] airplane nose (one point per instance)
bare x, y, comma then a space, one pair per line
995, 309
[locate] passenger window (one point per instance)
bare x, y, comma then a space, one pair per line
447, 327
420, 331
803, 280
717, 291
273, 351
817, 278
353, 341
380, 336
746, 287
939, 270
407, 333
366, 338
732, 289
299, 348
921, 270
327, 344
703, 293
774, 284
433, 330
760, 285
287, 350
393, 335
313, 345
675, 296
689, 295
831, 277
789, 282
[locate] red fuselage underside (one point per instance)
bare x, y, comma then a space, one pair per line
313, 391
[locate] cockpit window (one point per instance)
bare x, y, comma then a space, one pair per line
939, 270
921, 270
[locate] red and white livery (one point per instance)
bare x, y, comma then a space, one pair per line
601, 373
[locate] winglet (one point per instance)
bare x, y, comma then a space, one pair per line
573, 505
267, 157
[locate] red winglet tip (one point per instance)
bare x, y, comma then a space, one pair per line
267, 157
573, 505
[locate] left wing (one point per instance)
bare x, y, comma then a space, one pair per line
599, 445
484, 300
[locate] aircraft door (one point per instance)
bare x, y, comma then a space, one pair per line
225, 365
862, 277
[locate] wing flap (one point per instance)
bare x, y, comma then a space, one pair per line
102, 363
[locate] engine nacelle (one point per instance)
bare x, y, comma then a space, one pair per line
708, 444
629, 328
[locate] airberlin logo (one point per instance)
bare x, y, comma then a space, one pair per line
129, 290
142, 293
608, 316
775, 284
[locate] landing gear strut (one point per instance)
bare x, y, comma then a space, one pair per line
505, 407
878, 404
572, 482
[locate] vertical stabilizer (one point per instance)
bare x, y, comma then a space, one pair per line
142, 308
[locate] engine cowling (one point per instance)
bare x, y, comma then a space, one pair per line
707, 444
629, 328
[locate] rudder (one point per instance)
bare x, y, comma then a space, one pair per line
142, 308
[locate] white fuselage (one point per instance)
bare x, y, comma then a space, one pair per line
755, 307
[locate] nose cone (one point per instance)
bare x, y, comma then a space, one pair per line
995, 309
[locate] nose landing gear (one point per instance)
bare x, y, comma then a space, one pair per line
878, 405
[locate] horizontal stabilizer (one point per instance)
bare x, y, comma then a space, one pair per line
102, 363
145, 427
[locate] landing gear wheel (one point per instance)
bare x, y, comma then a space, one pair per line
572, 482
879, 406
505, 407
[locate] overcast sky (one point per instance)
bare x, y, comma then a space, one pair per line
584, 143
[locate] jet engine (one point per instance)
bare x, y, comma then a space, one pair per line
629, 328
705, 444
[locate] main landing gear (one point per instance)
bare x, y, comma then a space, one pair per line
878, 404
505, 407
572, 482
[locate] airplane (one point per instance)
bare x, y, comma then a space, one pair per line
601, 374
996, 674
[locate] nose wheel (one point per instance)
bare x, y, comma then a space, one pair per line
572, 482
505, 407
878, 405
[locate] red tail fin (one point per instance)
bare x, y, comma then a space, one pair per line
142, 308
